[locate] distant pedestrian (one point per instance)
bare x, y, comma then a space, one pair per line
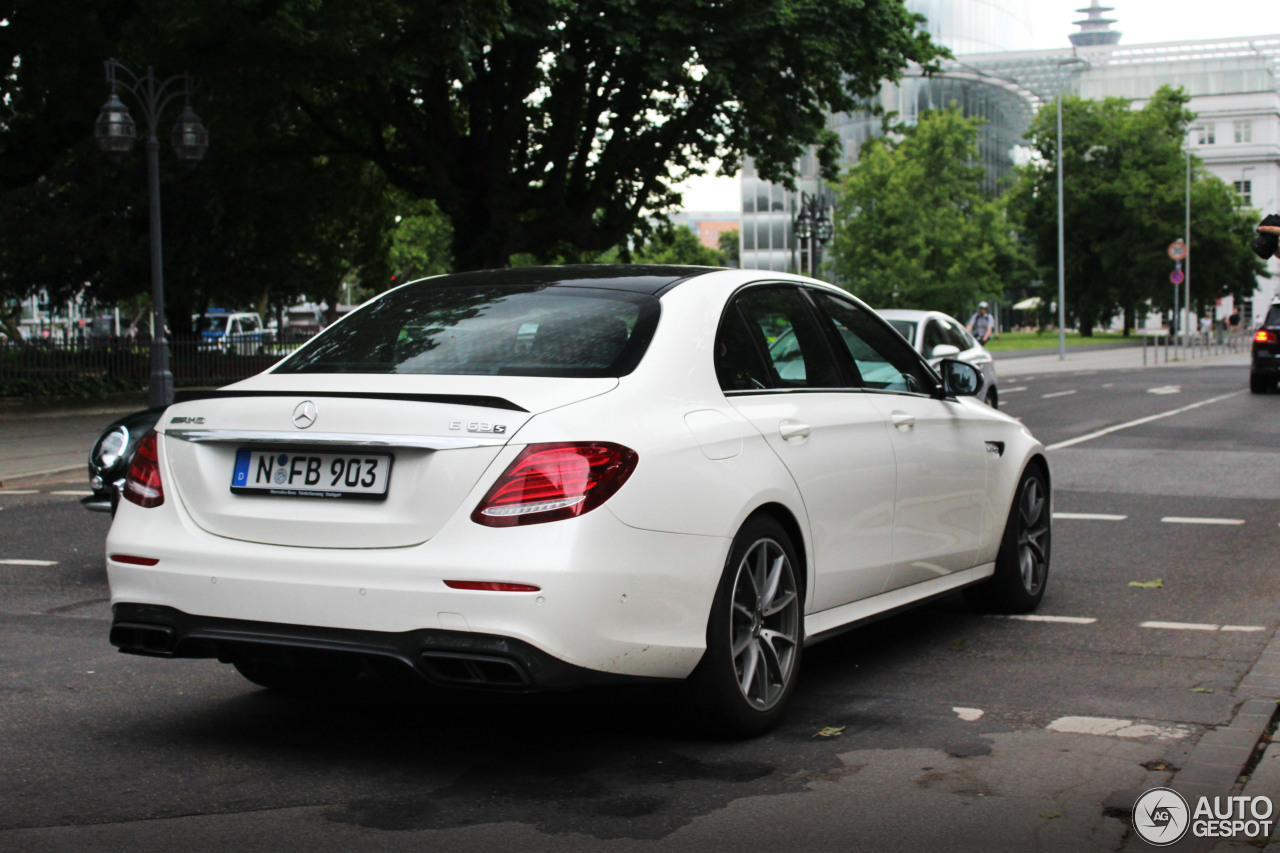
1233, 321
981, 324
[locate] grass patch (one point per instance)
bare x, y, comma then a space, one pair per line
1009, 341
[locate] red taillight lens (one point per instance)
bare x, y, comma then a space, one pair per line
1264, 337
548, 482
142, 486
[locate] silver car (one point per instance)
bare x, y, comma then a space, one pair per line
937, 336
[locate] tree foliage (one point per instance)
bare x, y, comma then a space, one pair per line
547, 124
1124, 202
913, 227
676, 244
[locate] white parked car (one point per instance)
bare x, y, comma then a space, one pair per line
937, 336
539, 478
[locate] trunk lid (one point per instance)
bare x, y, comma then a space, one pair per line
439, 435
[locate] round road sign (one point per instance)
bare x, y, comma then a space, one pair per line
1177, 250
1176, 277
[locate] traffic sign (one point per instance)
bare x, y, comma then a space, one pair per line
1177, 250
1176, 277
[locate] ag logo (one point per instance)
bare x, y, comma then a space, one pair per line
1161, 817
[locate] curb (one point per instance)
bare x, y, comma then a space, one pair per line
37, 407
1214, 765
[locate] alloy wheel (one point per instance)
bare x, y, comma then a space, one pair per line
765, 624
1033, 535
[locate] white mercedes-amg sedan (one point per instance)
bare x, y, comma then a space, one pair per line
539, 478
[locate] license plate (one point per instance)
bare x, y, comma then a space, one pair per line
311, 475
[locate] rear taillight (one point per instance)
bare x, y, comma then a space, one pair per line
1264, 337
142, 486
548, 482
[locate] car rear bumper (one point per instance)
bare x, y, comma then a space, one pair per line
444, 658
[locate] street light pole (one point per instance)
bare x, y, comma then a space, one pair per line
813, 227
1187, 239
1062, 243
115, 131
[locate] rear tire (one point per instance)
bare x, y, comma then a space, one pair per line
1259, 384
1022, 564
755, 635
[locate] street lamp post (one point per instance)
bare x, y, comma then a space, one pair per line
115, 131
813, 227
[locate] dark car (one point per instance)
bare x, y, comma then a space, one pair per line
1264, 366
111, 456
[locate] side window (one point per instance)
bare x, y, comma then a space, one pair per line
235, 327
780, 319
934, 336
739, 365
884, 359
958, 336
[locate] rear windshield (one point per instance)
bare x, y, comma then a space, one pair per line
1273, 316
906, 328
430, 328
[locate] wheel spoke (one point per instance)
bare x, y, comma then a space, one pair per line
740, 643
748, 672
780, 603
771, 582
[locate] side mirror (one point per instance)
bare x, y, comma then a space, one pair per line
960, 379
944, 351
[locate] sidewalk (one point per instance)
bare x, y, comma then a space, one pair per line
1115, 358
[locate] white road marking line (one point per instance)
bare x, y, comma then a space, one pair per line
1088, 516
1108, 384
19, 491
1116, 728
1140, 421
1243, 629
1177, 519
1166, 389
969, 715
1039, 617
1057, 394
78, 493
28, 562
1179, 626
1013, 390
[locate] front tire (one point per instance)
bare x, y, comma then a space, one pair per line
1022, 564
755, 635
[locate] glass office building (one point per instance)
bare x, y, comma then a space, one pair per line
965, 26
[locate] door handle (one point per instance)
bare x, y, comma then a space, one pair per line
793, 431
903, 421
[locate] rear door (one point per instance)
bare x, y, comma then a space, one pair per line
778, 369
939, 448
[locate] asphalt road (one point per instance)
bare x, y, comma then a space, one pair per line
934, 730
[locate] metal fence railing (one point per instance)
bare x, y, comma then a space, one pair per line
127, 363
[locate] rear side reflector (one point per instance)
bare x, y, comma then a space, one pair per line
492, 586
142, 486
132, 560
548, 482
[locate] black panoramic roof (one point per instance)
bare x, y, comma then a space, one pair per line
637, 278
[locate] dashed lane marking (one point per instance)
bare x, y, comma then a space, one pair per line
1112, 727
969, 715
80, 493
1057, 394
1198, 626
1088, 516
1040, 617
1013, 390
19, 491
1178, 519
28, 562
1166, 389
1140, 421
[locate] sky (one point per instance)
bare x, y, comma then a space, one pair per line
1141, 22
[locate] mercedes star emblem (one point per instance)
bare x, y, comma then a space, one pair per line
304, 415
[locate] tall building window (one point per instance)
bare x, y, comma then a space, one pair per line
1244, 189
1204, 135
1244, 131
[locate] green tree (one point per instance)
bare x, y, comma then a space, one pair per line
676, 244
1124, 202
731, 247
551, 127
913, 227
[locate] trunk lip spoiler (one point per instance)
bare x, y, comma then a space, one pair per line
343, 439
455, 399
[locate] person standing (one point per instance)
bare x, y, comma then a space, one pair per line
982, 324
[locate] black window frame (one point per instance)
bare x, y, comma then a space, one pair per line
892, 338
